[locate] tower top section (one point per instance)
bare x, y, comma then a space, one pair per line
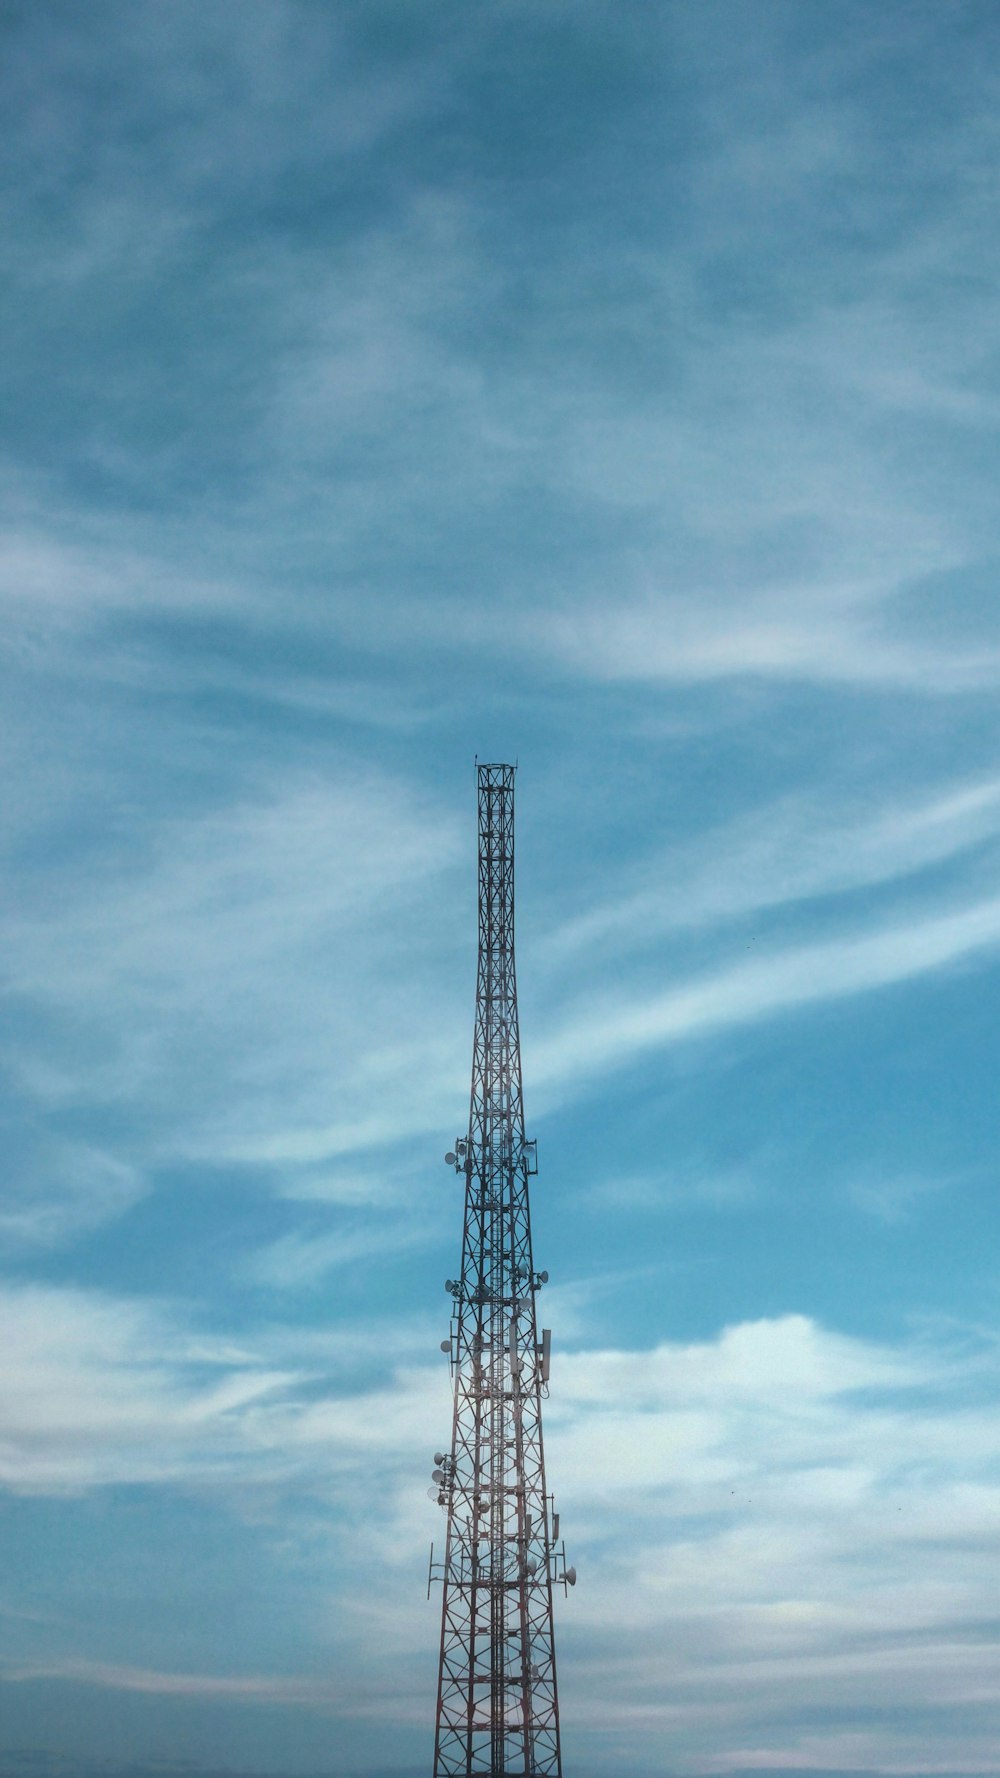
499, 775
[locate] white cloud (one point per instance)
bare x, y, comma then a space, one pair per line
802, 632
891, 1197
795, 849
779, 1515
776, 1512
272, 873
263, 974
608, 1031
297, 1260
56, 1190
240, 1688
98, 1390
61, 572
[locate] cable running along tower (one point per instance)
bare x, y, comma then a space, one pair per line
497, 1705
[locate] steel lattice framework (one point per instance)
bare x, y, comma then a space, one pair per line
497, 1706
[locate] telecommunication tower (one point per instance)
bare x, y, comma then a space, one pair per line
497, 1703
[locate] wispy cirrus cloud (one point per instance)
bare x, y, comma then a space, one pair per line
243, 1688
270, 922
217, 930
296, 1261
791, 851
608, 1032
844, 637
57, 1190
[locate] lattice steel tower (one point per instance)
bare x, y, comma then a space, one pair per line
497, 1705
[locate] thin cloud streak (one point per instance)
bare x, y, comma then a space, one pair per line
802, 636
780, 854
606, 1034
297, 1260
282, 915
59, 1190
244, 1689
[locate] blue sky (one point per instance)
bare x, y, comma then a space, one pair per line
612, 388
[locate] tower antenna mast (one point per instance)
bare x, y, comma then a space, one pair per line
497, 1702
